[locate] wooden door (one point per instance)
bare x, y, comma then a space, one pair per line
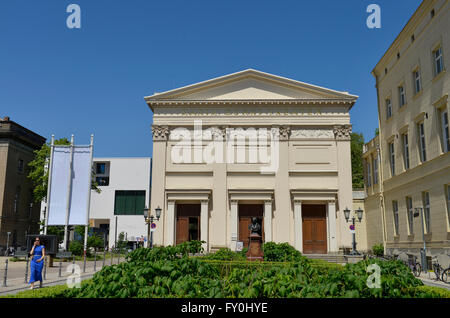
187, 216
246, 213
314, 229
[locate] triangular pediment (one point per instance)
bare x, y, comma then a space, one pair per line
249, 85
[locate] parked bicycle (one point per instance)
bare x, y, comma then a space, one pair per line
415, 266
440, 272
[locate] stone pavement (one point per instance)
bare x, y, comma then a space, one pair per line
430, 280
15, 281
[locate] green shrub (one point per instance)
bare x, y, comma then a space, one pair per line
225, 254
76, 248
282, 252
431, 292
378, 250
58, 291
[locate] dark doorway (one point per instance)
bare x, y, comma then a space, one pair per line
314, 229
188, 223
246, 213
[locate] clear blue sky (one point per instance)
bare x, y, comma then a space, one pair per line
55, 80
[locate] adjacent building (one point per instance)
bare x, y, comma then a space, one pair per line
252, 144
125, 192
19, 215
407, 166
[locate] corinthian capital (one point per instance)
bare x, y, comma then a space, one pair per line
281, 132
342, 132
160, 133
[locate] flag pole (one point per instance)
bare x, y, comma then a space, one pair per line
69, 191
52, 145
91, 148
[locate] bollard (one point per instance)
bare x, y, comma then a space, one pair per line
60, 267
73, 262
84, 262
45, 268
104, 257
95, 259
6, 273
26, 270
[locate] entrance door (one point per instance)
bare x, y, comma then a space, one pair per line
314, 229
246, 213
188, 222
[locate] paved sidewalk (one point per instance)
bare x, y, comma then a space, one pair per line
430, 280
16, 273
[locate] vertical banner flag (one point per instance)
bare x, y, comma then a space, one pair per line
69, 195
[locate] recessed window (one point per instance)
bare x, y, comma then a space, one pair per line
369, 174
375, 170
395, 211
447, 193
385, 71
422, 145
20, 165
401, 96
417, 81
445, 131
100, 168
17, 200
129, 202
426, 211
392, 158
398, 56
432, 13
410, 212
438, 61
388, 108
405, 151
412, 38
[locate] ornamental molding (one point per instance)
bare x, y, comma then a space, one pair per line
328, 101
342, 132
313, 133
160, 133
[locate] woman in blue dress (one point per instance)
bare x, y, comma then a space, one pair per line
37, 262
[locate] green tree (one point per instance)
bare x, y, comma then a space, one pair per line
357, 143
377, 131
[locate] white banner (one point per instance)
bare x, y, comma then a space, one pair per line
79, 187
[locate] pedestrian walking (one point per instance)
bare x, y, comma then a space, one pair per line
37, 254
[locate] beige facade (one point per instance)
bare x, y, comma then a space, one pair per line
295, 177
413, 144
18, 214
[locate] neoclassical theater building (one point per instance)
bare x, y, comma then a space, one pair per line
252, 144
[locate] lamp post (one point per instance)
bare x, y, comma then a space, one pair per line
359, 213
149, 220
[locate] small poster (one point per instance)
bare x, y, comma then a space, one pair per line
239, 246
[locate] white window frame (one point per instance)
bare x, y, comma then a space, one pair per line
422, 141
426, 211
392, 157
417, 81
438, 60
445, 130
410, 215
402, 96
388, 108
395, 214
375, 170
406, 161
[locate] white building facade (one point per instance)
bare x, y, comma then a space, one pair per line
125, 191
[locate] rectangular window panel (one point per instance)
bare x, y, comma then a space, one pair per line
101, 168
426, 211
423, 152
417, 82
438, 61
388, 108
445, 131
129, 203
392, 158
402, 96
406, 151
369, 175
395, 210
375, 170
410, 212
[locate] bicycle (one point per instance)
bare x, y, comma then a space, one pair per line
415, 266
438, 270
445, 276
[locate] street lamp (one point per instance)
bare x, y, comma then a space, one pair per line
149, 218
359, 213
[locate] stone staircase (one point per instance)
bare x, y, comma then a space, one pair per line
332, 258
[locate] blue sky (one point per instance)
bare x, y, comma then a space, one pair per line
55, 80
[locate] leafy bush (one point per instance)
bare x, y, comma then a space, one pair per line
282, 252
225, 254
378, 250
76, 248
95, 241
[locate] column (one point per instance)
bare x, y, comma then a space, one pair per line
268, 220
204, 222
170, 229
331, 215
234, 224
298, 226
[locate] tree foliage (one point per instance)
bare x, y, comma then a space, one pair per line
357, 143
